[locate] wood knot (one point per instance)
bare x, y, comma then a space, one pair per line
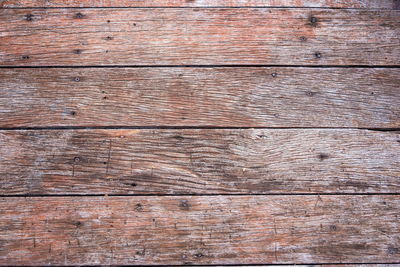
77, 159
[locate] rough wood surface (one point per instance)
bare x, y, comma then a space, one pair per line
199, 230
200, 36
222, 97
201, 3
199, 161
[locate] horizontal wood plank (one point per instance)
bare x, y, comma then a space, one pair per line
198, 161
220, 97
200, 36
201, 3
199, 230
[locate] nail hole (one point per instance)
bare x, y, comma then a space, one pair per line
108, 21
393, 250
25, 57
303, 39
313, 20
310, 93
29, 17
77, 159
322, 156
139, 207
184, 204
274, 74
133, 184
318, 55
77, 79
73, 113
77, 51
79, 15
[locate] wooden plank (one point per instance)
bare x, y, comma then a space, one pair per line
193, 161
221, 97
200, 36
199, 230
201, 3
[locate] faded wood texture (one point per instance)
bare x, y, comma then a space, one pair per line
200, 36
202, 3
198, 161
222, 97
199, 230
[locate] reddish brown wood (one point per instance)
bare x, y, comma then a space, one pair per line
199, 230
220, 97
199, 36
198, 161
200, 3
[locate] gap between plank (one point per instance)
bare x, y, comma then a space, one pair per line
185, 127
199, 7
206, 66
200, 195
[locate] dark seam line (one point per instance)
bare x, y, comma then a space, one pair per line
186, 127
276, 264
198, 195
204, 66
202, 7
247, 264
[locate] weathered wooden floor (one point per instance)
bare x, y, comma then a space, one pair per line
200, 132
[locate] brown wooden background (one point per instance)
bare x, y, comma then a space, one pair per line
199, 132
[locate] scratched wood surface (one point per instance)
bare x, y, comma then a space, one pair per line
202, 3
199, 161
219, 97
199, 132
199, 230
201, 36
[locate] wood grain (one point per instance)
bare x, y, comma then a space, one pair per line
198, 161
199, 230
200, 36
200, 3
221, 97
